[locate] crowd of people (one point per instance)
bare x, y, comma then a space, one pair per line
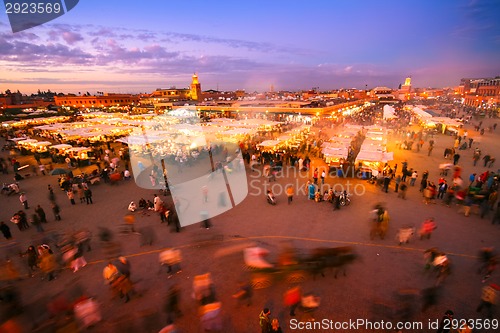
478, 194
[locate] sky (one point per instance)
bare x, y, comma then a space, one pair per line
139, 46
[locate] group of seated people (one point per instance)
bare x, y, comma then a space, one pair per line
10, 188
143, 204
328, 195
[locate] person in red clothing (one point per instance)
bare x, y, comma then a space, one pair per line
427, 228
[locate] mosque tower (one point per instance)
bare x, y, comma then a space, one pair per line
407, 86
195, 88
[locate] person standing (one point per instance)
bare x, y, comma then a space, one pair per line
431, 147
486, 159
413, 179
323, 175
157, 203
24, 200
423, 182
163, 212
315, 176
265, 321
52, 196
387, 181
275, 326
32, 259
336, 200
446, 322
71, 196
56, 210
397, 181
456, 158
5, 230
81, 193
41, 214
443, 187
41, 167
23, 219
88, 195
290, 193
496, 215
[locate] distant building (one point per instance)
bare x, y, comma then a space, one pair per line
483, 92
106, 100
214, 95
384, 95
174, 94
5, 100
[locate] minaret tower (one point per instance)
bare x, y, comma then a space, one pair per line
195, 88
407, 85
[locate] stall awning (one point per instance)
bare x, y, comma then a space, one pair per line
375, 156
61, 146
269, 143
43, 143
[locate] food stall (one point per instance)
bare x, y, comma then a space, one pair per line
41, 147
371, 162
82, 155
26, 146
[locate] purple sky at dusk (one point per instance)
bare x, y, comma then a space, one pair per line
132, 46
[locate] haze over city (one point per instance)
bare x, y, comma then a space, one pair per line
132, 47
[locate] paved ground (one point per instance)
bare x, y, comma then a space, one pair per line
368, 292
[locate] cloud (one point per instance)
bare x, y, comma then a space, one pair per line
51, 54
102, 32
71, 37
348, 69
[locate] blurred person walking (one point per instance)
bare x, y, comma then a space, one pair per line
5, 230
56, 210
244, 293
48, 264
292, 299
35, 220
489, 297
41, 214
427, 228
172, 301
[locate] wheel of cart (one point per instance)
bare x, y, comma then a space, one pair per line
171, 258
254, 258
405, 234
87, 313
210, 317
203, 289
260, 268
261, 281
295, 277
309, 304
